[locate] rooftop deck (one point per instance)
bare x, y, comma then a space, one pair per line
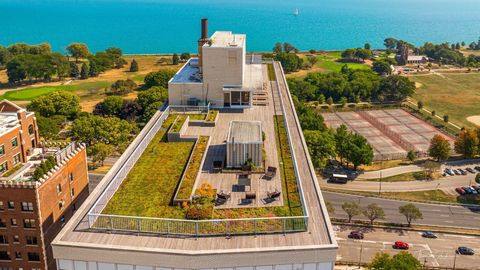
227, 39
318, 234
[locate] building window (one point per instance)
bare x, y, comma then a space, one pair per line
16, 239
29, 223
3, 239
31, 240
11, 205
18, 255
16, 159
70, 177
3, 167
30, 129
1, 206
59, 188
62, 219
33, 257
27, 206
2, 150
14, 142
72, 192
61, 204
3, 224
4, 255
13, 221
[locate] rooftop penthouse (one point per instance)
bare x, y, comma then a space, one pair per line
173, 200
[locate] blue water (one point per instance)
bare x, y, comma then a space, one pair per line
165, 26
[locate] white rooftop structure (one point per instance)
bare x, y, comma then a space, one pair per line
226, 39
245, 131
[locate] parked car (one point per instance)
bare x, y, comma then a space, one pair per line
477, 188
460, 191
474, 191
462, 171
401, 245
355, 235
429, 234
456, 172
467, 190
465, 251
470, 170
449, 172
477, 168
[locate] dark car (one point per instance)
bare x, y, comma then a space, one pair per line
449, 172
470, 170
460, 191
355, 235
477, 168
401, 245
465, 251
477, 188
456, 172
462, 171
429, 234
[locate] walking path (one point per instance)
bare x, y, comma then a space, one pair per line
390, 172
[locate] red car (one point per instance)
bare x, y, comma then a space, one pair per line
355, 235
401, 245
460, 190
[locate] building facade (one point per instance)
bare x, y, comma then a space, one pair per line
32, 212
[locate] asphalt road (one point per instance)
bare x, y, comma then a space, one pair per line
433, 214
438, 252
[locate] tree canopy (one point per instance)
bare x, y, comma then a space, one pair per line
78, 50
158, 78
56, 103
439, 148
411, 212
399, 261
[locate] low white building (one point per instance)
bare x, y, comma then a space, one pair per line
244, 142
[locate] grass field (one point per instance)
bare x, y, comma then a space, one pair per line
447, 94
326, 62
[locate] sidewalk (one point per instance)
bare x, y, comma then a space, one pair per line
390, 172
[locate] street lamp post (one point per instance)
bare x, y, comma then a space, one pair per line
360, 259
454, 260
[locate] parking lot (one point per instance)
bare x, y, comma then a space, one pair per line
472, 188
439, 252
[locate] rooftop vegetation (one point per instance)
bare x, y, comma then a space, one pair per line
211, 115
193, 167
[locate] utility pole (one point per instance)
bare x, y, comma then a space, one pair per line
454, 260
360, 259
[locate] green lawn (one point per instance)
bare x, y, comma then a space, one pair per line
28, 94
331, 66
447, 95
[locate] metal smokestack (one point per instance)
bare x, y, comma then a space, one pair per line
204, 28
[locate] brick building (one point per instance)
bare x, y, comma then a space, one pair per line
33, 209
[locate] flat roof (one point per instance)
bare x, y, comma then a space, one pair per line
226, 39
189, 73
245, 132
319, 234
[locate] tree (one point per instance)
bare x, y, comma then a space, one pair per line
56, 103
50, 127
290, 61
395, 88
312, 60
446, 118
74, 71
100, 152
363, 54
175, 59
84, 72
110, 106
352, 209
92, 129
374, 211
342, 140
382, 67
420, 105
411, 212
321, 99
151, 100
114, 52
277, 48
92, 72
367, 46
134, 66
329, 100
463, 43
434, 113
400, 261
185, 56
390, 43
78, 50
411, 155
288, 48
158, 78
348, 53
343, 101
467, 143
122, 87
330, 208
477, 178
359, 151
130, 110
321, 146
439, 148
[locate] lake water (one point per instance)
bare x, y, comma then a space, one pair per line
165, 26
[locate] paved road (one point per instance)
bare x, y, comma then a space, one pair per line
448, 184
432, 252
390, 172
441, 215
